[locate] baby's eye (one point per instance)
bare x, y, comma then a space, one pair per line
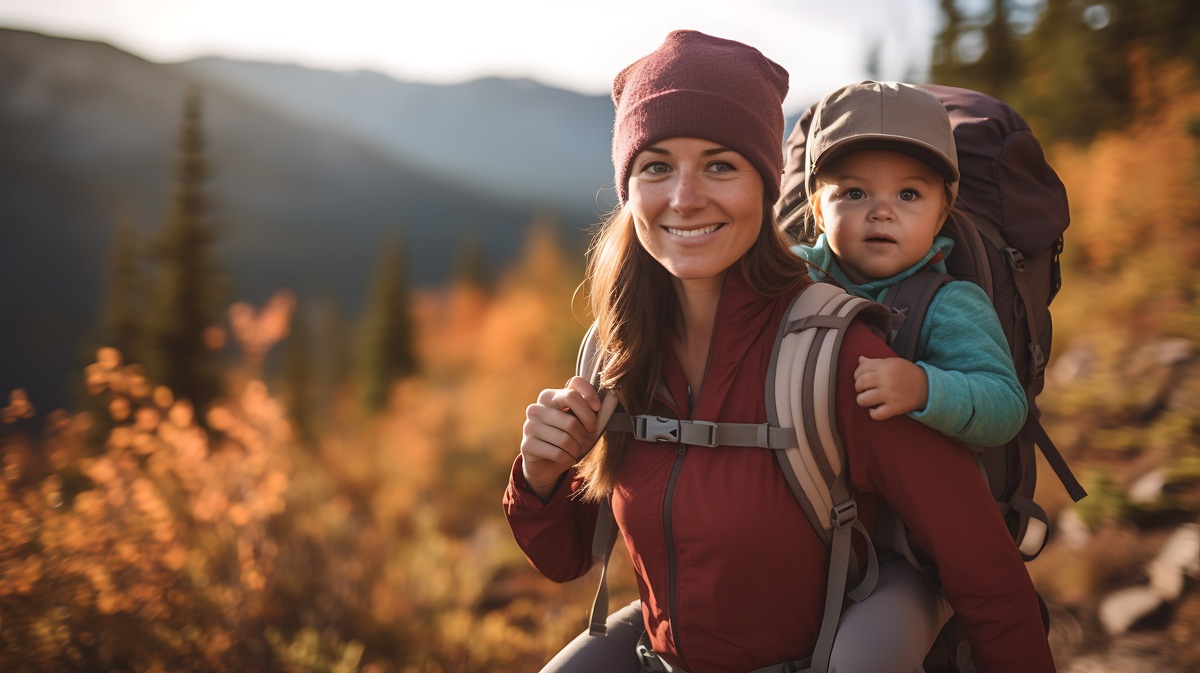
909, 195
854, 194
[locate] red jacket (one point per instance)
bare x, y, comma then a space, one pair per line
731, 574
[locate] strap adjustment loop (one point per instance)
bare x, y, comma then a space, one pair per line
844, 514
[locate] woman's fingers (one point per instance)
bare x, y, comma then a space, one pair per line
558, 429
578, 398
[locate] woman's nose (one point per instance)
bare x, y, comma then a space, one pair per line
688, 193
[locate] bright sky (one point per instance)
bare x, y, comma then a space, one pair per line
565, 43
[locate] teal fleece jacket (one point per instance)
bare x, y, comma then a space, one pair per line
974, 393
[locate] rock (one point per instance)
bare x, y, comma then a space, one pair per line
1073, 365
1180, 556
1072, 532
1122, 608
1148, 488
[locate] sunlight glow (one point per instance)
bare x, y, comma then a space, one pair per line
578, 46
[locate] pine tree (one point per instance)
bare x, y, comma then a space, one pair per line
123, 326
188, 287
388, 347
298, 378
999, 68
946, 64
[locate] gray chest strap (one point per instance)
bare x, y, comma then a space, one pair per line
649, 428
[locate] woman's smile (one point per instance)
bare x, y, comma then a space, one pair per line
693, 233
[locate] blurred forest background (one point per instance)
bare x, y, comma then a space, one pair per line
264, 382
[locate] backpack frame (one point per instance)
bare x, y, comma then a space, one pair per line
1017, 212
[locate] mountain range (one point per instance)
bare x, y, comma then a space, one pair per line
311, 172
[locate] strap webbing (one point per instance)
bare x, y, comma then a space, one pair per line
841, 555
602, 545
1055, 459
911, 298
647, 427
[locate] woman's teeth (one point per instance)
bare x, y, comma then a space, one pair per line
690, 233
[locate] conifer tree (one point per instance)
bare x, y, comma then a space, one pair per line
388, 345
123, 326
298, 378
999, 68
188, 288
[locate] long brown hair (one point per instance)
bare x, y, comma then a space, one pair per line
635, 305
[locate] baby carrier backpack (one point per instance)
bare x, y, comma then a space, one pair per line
1019, 210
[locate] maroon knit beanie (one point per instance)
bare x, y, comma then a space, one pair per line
700, 86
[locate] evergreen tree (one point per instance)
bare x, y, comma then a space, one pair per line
999, 68
388, 348
1084, 66
188, 288
1079, 80
123, 306
946, 65
298, 378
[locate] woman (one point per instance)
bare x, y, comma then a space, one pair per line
689, 280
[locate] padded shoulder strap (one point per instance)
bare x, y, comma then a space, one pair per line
800, 391
909, 300
801, 394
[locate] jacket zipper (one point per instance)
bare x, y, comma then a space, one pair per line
669, 531
668, 499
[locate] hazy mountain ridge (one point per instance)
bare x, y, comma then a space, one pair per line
89, 135
508, 136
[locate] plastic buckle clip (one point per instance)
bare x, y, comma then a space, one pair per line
1015, 259
844, 514
655, 429
1037, 361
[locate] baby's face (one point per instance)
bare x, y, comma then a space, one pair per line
880, 211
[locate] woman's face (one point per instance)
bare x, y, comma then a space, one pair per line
697, 206
880, 211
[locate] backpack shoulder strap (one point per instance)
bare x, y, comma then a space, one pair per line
909, 301
604, 538
801, 394
587, 362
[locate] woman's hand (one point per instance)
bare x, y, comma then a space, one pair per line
559, 430
890, 386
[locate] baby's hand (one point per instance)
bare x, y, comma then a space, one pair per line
890, 386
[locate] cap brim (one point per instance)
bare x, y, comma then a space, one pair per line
913, 148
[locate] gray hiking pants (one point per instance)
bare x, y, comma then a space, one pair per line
890, 632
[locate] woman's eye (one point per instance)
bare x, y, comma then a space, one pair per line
721, 167
854, 194
909, 195
656, 168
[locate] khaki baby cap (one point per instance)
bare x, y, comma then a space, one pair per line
882, 116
